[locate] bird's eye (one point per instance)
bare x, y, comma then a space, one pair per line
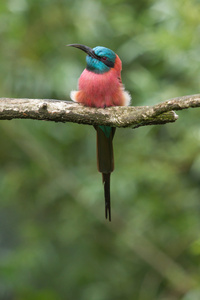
104, 58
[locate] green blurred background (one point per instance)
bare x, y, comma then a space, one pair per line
54, 241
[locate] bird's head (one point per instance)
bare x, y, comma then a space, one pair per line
99, 59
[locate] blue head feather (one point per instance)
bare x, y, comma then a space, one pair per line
104, 63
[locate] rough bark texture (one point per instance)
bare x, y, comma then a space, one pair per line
67, 111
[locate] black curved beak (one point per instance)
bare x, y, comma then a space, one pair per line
86, 49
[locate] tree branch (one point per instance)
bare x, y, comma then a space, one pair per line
67, 111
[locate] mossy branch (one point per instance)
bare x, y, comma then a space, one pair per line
67, 111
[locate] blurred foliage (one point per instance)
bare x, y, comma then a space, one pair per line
54, 241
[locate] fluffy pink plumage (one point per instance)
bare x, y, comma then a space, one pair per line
102, 90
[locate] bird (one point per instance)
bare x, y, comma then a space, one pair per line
100, 86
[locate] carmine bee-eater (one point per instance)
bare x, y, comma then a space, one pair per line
100, 86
